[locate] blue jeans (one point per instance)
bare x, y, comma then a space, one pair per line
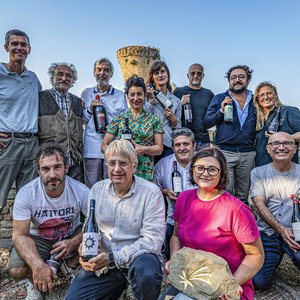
274, 248
144, 276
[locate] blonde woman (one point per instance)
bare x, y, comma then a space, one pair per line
268, 107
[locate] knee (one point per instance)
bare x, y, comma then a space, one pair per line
19, 273
261, 282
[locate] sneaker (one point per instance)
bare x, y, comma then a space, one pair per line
68, 271
32, 292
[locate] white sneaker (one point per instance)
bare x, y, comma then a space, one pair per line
32, 292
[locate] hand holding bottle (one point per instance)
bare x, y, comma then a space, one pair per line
226, 101
96, 102
171, 116
185, 99
150, 93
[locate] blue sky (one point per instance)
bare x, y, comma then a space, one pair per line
263, 34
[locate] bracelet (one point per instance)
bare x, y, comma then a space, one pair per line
111, 261
89, 112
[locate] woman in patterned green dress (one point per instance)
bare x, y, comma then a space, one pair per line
146, 128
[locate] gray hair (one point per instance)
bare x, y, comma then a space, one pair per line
123, 148
105, 60
183, 131
15, 32
54, 66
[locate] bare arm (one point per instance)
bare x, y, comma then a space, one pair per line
41, 274
67, 246
287, 235
252, 262
155, 149
108, 138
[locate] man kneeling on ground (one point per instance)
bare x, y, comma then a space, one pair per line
46, 220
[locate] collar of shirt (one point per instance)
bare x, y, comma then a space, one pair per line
5, 70
109, 92
128, 194
242, 113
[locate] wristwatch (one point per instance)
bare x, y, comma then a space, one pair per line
111, 261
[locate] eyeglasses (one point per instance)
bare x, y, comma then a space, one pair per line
262, 96
212, 171
285, 144
234, 77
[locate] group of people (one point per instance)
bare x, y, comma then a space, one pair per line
58, 167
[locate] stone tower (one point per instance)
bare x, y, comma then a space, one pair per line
136, 60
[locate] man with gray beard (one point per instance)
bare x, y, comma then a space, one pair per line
114, 103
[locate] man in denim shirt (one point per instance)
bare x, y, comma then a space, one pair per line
130, 215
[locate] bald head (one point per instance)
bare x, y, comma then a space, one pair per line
281, 136
195, 76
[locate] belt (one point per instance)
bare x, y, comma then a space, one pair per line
19, 135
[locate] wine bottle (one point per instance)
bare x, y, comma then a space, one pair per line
296, 218
126, 132
176, 180
188, 116
274, 125
99, 117
162, 99
90, 237
228, 113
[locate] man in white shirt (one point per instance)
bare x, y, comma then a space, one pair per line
130, 216
184, 148
46, 219
114, 103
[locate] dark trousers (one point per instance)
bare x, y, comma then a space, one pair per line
274, 248
144, 276
166, 245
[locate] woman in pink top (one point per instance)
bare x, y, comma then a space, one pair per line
210, 219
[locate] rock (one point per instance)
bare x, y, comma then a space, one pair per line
201, 275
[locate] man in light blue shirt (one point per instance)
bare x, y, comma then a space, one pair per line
19, 89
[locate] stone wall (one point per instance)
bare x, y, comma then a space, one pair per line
136, 60
6, 220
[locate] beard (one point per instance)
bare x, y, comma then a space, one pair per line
102, 82
59, 183
240, 90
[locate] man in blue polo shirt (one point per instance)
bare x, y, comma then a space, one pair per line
236, 140
19, 89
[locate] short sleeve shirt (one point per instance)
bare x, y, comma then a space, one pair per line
219, 226
143, 130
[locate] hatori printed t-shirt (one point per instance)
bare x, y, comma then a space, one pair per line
52, 219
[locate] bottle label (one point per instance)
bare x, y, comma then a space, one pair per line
90, 242
177, 186
188, 116
228, 113
101, 118
163, 100
126, 136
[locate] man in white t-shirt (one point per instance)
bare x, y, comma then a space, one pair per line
271, 188
46, 220
114, 103
183, 141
